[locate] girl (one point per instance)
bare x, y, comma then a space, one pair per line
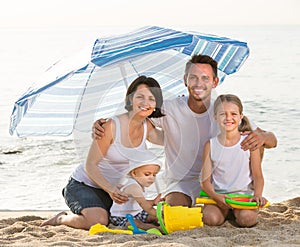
229, 169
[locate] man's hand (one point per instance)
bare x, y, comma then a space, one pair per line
253, 141
98, 130
258, 139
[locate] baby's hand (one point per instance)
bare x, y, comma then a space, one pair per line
157, 199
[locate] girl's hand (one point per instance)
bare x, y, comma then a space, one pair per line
117, 195
221, 202
261, 201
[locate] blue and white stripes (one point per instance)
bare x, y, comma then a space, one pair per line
73, 97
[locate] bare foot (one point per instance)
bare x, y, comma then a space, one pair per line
54, 220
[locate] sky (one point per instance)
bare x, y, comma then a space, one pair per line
77, 13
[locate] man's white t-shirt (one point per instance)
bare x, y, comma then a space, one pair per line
185, 134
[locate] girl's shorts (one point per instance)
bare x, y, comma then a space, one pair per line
79, 196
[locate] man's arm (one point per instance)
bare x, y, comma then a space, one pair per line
259, 139
97, 130
155, 135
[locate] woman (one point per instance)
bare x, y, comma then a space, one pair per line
94, 185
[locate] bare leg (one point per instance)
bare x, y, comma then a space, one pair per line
153, 220
246, 218
88, 218
54, 221
178, 199
146, 226
213, 215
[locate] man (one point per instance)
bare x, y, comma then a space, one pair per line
187, 126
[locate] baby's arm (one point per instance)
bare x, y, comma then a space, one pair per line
137, 193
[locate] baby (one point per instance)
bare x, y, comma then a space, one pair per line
142, 173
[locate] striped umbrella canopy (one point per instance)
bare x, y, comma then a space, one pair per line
75, 92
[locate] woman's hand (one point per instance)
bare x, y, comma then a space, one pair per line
117, 195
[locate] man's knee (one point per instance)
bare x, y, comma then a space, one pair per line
178, 199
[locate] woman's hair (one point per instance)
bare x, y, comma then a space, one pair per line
245, 124
154, 88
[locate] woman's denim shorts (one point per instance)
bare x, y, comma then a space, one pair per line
79, 196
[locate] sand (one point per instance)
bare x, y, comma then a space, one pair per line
279, 225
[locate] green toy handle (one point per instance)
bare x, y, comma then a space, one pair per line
203, 194
160, 217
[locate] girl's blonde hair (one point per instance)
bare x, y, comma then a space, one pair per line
245, 124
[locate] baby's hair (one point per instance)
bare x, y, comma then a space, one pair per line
245, 124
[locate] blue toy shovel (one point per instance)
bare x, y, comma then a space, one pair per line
135, 230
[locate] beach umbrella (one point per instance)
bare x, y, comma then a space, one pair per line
75, 92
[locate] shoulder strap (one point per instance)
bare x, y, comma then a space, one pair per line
145, 131
118, 134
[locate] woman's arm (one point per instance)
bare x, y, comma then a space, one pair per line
98, 150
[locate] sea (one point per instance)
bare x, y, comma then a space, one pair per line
33, 170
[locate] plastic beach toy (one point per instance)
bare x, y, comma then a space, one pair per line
154, 231
97, 228
135, 230
238, 201
175, 218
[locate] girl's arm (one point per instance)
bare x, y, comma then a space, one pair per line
205, 179
258, 179
154, 135
97, 151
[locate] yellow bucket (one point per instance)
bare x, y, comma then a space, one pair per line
176, 218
